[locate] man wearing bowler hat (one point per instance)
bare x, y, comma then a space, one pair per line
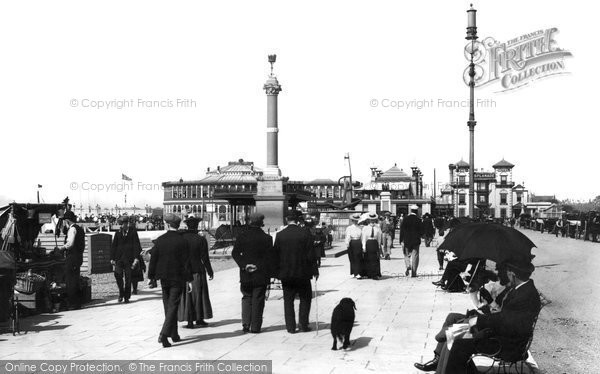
74, 247
170, 263
252, 252
296, 264
511, 327
124, 256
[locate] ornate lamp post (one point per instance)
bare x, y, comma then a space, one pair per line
472, 36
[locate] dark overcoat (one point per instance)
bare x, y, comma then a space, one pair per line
255, 247
125, 248
512, 326
411, 230
170, 259
294, 254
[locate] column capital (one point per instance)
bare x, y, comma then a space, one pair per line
272, 86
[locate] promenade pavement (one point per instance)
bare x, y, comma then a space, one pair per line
396, 320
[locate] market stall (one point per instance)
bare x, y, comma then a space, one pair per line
36, 279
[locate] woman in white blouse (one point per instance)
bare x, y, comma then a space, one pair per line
354, 246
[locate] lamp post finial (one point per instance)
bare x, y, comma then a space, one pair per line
272, 59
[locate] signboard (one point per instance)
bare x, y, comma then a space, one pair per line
98, 248
44, 218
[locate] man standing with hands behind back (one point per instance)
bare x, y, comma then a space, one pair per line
252, 252
296, 265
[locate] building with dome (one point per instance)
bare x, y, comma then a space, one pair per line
496, 195
394, 190
227, 194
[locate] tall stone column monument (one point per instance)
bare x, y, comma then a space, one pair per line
270, 199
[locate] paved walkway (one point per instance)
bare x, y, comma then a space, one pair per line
396, 320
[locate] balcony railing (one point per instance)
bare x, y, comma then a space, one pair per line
505, 184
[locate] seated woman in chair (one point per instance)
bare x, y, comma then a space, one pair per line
451, 280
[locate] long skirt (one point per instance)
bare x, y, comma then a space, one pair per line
196, 305
355, 256
371, 263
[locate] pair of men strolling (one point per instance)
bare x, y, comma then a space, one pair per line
292, 259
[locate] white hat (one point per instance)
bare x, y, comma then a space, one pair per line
413, 207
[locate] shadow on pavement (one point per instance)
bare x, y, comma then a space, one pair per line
105, 302
31, 324
361, 342
321, 292
392, 276
204, 337
222, 323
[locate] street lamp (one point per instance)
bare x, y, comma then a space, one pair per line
472, 36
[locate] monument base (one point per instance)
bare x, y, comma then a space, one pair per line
271, 202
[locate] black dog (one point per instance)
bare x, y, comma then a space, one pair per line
342, 321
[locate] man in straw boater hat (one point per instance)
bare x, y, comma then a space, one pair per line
294, 258
253, 252
511, 327
170, 263
74, 247
411, 232
124, 252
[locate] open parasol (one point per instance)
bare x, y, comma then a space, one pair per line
490, 241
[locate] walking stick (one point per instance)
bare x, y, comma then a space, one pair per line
316, 308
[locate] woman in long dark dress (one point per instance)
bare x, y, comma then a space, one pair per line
139, 266
354, 246
196, 306
371, 241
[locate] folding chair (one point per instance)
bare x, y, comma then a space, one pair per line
492, 363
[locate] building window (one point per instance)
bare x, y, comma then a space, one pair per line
502, 199
503, 179
461, 180
482, 198
518, 198
503, 212
461, 212
461, 199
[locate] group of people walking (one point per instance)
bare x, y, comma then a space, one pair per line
371, 241
292, 258
180, 261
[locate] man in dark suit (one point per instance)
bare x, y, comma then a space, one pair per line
74, 247
170, 263
411, 232
512, 326
124, 254
252, 252
296, 265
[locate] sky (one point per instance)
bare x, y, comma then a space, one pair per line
342, 65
